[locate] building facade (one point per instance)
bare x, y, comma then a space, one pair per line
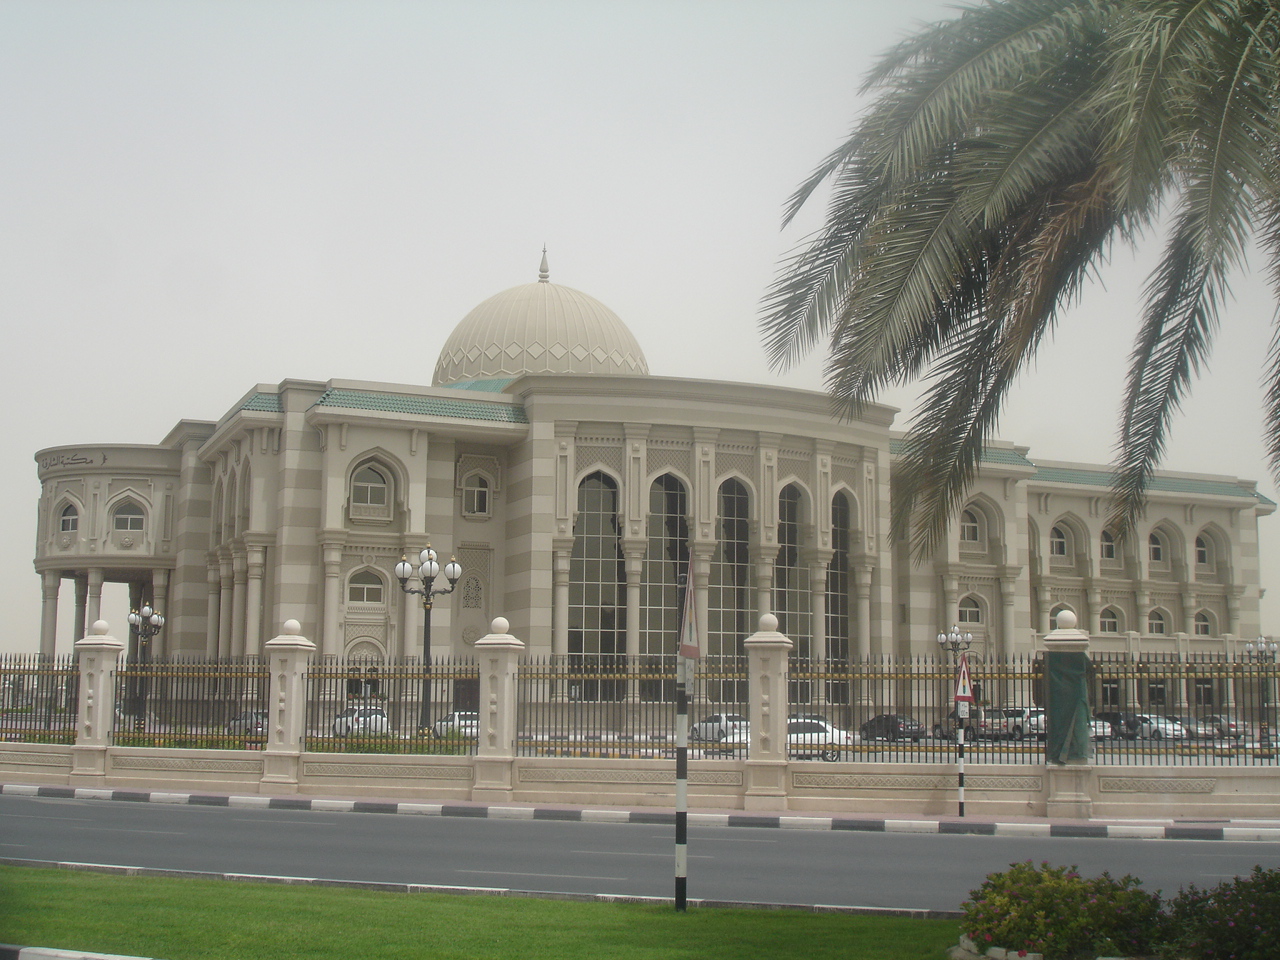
573, 487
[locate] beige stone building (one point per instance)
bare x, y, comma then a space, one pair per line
573, 486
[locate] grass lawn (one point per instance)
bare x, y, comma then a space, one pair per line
185, 919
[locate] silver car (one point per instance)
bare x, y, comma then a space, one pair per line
460, 723
361, 722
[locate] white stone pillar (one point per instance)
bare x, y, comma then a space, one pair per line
560, 598
99, 656
50, 581
497, 656
239, 597
93, 607
766, 765
212, 610
256, 562
330, 644
286, 657
862, 572
160, 601
224, 608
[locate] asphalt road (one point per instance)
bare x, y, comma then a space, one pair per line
846, 868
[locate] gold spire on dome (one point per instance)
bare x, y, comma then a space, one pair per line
544, 274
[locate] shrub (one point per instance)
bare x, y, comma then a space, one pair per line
1237, 920
1056, 912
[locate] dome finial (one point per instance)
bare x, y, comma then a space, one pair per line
544, 274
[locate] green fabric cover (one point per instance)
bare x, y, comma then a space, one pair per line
1067, 710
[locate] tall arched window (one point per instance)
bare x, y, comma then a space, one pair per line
128, 516
366, 587
969, 611
1155, 622
475, 495
1156, 549
1204, 555
1109, 620
1203, 625
1057, 542
729, 595
69, 520
1107, 549
597, 583
970, 527
666, 557
790, 576
838, 604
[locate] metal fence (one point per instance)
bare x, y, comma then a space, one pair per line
38, 698
393, 707
186, 702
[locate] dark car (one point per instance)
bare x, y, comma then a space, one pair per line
1123, 725
892, 726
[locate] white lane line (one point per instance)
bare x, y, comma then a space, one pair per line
628, 853
546, 876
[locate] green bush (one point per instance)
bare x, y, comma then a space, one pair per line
1056, 912
1237, 920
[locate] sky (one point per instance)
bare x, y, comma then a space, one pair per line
200, 196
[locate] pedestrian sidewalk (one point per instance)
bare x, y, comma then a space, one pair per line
975, 823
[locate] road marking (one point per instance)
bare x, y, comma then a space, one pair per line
272, 822
33, 816
628, 853
548, 876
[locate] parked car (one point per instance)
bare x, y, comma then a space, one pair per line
1123, 725
361, 722
1017, 722
1198, 728
1098, 729
806, 737
1150, 727
892, 726
717, 726
250, 723
978, 724
1226, 726
460, 723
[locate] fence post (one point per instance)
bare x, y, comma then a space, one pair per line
766, 765
287, 657
1068, 744
497, 655
99, 656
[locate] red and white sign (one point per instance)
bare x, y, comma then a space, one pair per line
964, 689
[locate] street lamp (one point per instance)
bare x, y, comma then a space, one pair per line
145, 623
956, 645
1263, 653
427, 571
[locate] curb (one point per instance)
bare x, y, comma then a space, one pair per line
10, 952
1124, 831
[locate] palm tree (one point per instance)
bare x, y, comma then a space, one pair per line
1007, 151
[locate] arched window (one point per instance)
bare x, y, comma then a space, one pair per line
1204, 555
475, 495
597, 584
1107, 550
1155, 622
128, 516
666, 557
970, 527
365, 587
970, 611
1109, 620
369, 488
729, 594
1202, 625
1155, 549
791, 577
838, 580
69, 519
1057, 542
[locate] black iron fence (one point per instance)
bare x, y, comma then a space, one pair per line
395, 707
185, 702
38, 698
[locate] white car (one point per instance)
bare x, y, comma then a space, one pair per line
361, 722
718, 726
460, 723
1151, 727
1018, 722
805, 738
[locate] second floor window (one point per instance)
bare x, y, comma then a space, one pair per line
970, 531
1109, 621
970, 611
1057, 542
1108, 548
1155, 548
369, 488
69, 521
365, 587
475, 496
128, 516
1155, 622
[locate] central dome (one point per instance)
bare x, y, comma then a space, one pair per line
538, 328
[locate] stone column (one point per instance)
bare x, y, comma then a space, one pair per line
160, 601
562, 554
239, 595
1008, 596
99, 656
256, 562
212, 610
50, 581
79, 628
93, 608
766, 765
286, 657
1068, 746
862, 572
330, 644
818, 613
497, 655
224, 607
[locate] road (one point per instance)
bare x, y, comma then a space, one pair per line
844, 868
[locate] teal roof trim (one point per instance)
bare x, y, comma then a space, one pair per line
483, 386
422, 406
1191, 485
1009, 458
263, 402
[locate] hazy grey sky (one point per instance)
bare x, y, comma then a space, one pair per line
202, 196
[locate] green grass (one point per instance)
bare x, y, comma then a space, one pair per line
186, 919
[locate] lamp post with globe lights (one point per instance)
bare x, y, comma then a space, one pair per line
426, 572
145, 623
1263, 654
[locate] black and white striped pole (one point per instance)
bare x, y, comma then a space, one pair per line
685, 666
957, 645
